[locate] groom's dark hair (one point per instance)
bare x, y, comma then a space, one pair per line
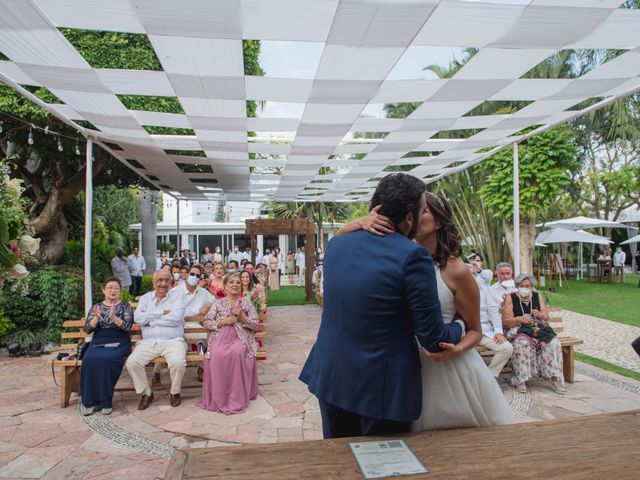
399, 194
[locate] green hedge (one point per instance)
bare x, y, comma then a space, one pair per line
54, 294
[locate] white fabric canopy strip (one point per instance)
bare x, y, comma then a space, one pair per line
200, 47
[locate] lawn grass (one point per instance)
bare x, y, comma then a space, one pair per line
288, 296
619, 302
596, 362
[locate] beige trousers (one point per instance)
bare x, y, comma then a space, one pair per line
502, 355
173, 351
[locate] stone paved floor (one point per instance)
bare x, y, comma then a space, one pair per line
40, 440
604, 339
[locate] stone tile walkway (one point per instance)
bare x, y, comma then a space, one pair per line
604, 339
40, 440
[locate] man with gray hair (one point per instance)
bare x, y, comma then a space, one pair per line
505, 284
161, 317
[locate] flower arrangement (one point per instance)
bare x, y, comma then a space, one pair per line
15, 241
259, 298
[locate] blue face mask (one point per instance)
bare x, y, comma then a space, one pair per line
231, 270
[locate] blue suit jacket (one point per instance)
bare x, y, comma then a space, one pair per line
380, 294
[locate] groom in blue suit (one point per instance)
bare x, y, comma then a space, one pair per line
380, 295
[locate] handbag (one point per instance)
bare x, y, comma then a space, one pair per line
539, 331
82, 349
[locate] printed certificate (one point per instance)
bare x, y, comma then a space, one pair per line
386, 458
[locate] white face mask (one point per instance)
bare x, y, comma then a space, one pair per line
524, 292
176, 276
192, 281
508, 283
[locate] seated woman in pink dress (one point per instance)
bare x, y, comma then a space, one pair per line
230, 374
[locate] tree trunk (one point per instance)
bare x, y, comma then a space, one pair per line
53, 234
149, 221
320, 236
527, 242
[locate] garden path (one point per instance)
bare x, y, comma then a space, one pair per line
604, 339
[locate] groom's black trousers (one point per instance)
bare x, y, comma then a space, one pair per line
339, 423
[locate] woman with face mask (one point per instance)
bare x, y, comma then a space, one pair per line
536, 348
217, 256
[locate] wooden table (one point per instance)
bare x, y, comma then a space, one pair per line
603, 446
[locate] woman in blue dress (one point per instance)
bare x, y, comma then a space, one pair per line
110, 321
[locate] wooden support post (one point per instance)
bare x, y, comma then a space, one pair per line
69, 383
254, 244
567, 363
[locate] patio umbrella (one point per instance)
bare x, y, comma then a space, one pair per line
564, 235
635, 239
577, 223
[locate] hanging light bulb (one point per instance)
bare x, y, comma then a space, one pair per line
30, 138
60, 149
77, 148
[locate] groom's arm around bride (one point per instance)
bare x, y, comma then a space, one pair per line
380, 295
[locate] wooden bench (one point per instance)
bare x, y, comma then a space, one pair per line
566, 342
74, 334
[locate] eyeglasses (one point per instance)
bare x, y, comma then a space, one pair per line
112, 288
192, 274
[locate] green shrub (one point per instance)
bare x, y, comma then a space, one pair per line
55, 294
6, 326
147, 284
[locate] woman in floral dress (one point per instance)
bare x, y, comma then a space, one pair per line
536, 350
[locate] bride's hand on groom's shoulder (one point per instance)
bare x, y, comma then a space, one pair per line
449, 350
376, 223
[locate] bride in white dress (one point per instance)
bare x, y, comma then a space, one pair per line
458, 389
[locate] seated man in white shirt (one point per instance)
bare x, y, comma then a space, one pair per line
162, 320
504, 286
196, 301
492, 334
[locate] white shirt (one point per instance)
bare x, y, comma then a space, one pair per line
246, 255
490, 319
192, 302
156, 326
300, 260
158, 263
498, 292
619, 258
136, 265
237, 256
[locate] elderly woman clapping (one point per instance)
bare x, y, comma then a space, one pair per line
536, 348
110, 321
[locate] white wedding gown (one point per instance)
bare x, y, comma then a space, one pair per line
459, 392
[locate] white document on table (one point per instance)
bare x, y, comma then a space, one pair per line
386, 458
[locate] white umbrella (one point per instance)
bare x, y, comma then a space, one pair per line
577, 223
564, 235
635, 239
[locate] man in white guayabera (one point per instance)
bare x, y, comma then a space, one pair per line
161, 318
